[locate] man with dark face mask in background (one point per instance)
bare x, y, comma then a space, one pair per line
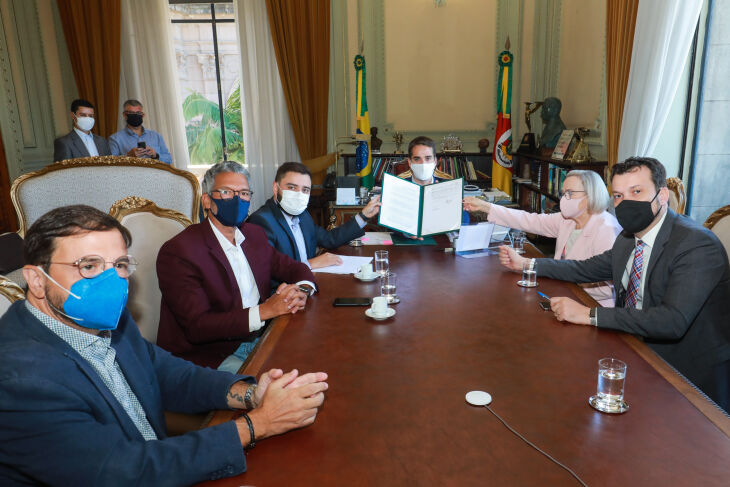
215, 276
671, 276
136, 141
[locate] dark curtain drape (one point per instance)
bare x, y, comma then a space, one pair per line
93, 36
301, 34
620, 22
8, 220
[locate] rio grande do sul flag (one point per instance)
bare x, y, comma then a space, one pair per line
502, 155
363, 158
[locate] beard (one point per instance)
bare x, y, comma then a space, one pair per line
55, 303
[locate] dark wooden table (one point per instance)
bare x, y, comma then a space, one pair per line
395, 412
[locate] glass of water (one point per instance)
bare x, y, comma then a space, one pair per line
518, 241
381, 262
529, 274
609, 396
388, 286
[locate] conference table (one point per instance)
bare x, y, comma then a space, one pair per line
395, 412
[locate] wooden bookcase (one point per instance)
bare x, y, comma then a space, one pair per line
546, 176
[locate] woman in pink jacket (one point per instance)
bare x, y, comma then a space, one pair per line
582, 229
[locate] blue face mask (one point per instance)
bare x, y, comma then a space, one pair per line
95, 303
231, 212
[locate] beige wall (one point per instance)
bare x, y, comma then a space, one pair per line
582, 55
439, 63
432, 81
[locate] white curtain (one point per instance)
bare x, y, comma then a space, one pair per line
149, 74
662, 40
268, 138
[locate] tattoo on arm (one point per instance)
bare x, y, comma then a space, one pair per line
236, 397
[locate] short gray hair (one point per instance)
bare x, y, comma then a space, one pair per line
221, 167
595, 189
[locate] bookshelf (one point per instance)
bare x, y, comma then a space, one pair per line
461, 164
538, 180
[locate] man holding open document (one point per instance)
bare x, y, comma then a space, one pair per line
420, 207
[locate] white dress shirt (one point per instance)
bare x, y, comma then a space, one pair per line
88, 141
649, 238
250, 296
296, 230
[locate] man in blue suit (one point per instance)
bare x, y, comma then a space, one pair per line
289, 226
82, 394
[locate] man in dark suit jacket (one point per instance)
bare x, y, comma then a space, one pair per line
80, 142
671, 275
82, 398
214, 276
289, 226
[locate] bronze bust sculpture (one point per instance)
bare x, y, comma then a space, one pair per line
553, 125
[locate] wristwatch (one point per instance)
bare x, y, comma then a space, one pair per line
309, 291
362, 215
248, 397
593, 316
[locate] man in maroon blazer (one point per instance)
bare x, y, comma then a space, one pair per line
215, 275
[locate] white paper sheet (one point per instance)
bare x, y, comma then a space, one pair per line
400, 204
376, 238
474, 237
442, 207
350, 265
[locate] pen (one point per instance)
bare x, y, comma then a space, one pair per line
543, 295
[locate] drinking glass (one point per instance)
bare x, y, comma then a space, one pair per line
529, 274
388, 286
381, 262
518, 241
609, 396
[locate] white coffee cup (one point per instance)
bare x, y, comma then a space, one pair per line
380, 305
366, 270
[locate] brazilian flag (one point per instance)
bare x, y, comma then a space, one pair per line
363, 159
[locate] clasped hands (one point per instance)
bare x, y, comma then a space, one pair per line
288, 298
282, 402
564, 309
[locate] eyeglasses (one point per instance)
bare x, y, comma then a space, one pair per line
569, 193
132, 113
93, 265
227, 194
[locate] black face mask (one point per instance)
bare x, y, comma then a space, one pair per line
634, 216
134, 119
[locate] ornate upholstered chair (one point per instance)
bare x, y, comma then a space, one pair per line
719, 223
150, 227
99, 182
677, 195
9, 293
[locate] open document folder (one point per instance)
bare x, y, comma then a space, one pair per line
421, 210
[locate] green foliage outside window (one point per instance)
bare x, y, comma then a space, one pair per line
203, 128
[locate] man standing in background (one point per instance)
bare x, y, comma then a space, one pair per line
136, 141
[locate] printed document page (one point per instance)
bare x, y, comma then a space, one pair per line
400, 203
442, 207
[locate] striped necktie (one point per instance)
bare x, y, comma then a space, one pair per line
635, 277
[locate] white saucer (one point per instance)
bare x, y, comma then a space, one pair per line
393, 299
389, 314
358, 275
524, 284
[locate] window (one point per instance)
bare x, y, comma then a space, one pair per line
208, 65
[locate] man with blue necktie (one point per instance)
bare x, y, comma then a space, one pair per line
291, 229
80, 142
671, 276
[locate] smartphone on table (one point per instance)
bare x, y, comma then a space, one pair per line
352, 302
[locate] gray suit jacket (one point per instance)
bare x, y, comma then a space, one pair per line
686, 302
70, 146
